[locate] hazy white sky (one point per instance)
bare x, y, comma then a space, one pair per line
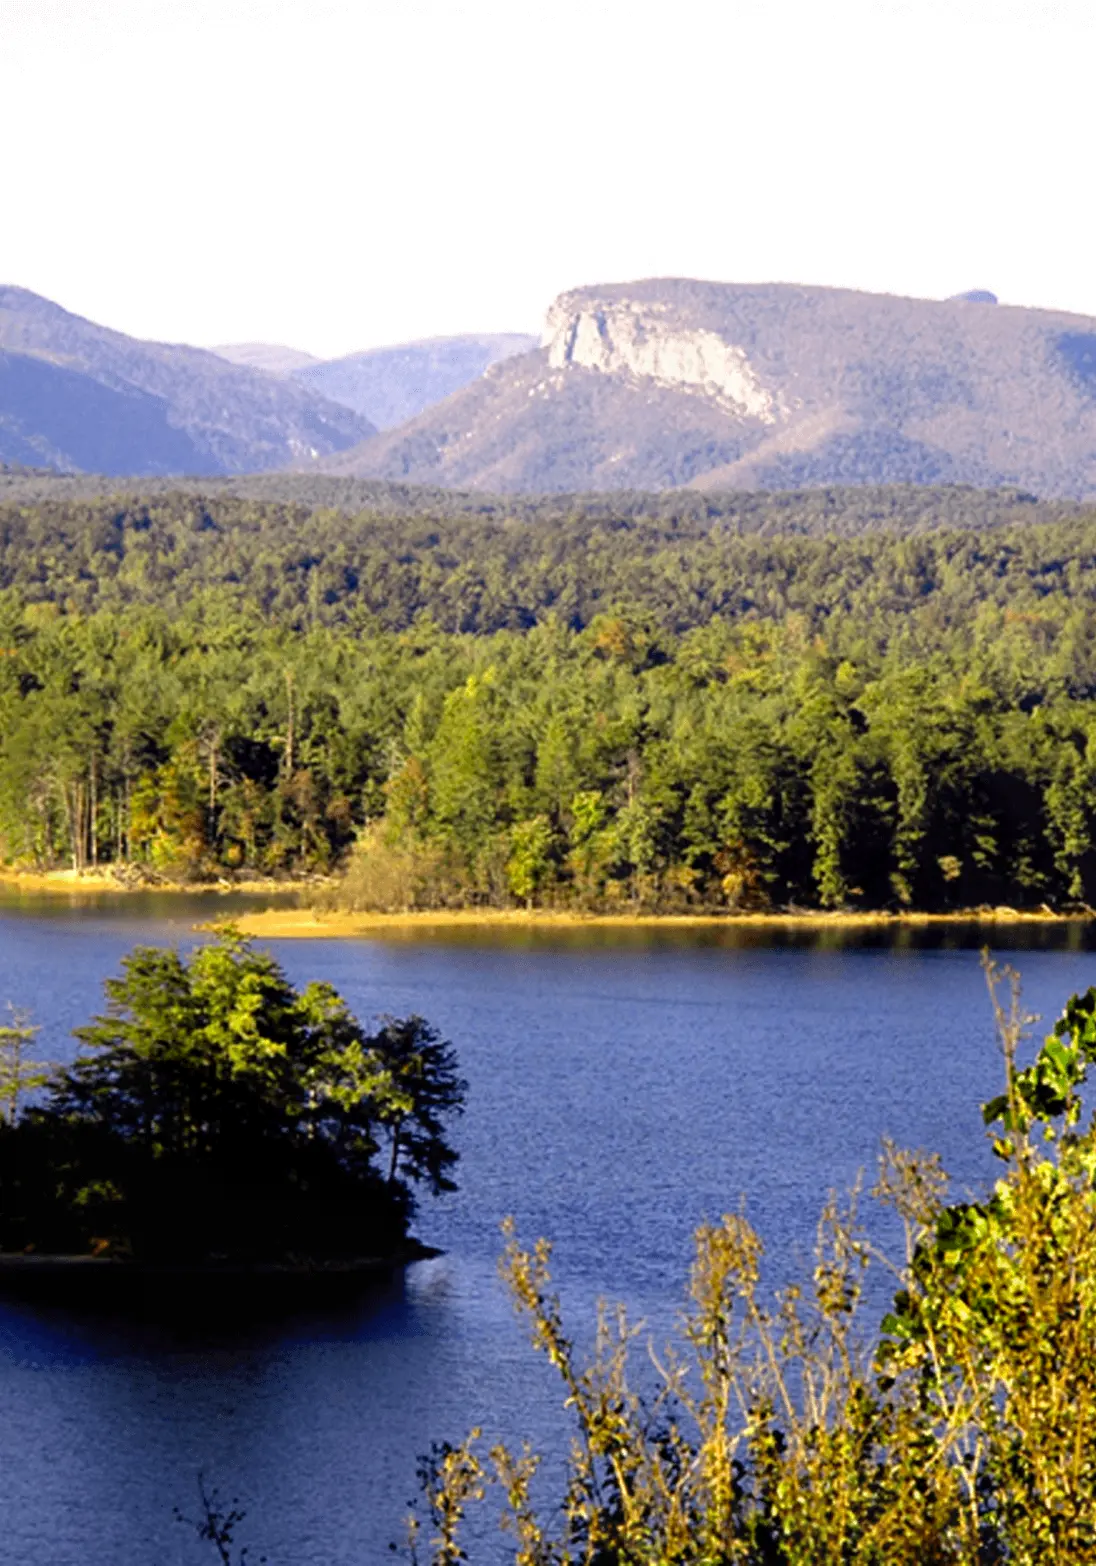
334, 175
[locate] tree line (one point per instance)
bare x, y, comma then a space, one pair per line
831, 509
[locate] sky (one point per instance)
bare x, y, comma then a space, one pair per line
339, 174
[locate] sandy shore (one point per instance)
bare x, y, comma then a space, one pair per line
304, 923
74, 883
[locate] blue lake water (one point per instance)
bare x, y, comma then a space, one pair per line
622, 1088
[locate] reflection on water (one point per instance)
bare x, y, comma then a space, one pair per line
161, 910
114, 1307
313, 1418
625, 1084
1035, 935
202, 1321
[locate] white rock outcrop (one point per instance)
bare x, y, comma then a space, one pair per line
643, 340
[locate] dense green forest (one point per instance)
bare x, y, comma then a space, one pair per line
820, 553
601, 711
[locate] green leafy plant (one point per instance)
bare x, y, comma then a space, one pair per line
19, 1072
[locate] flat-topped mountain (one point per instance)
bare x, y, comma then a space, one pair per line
78, 396
673, 382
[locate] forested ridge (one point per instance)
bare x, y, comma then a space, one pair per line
488, 570
836, 509
600, 711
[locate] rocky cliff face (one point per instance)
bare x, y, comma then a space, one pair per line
626, 337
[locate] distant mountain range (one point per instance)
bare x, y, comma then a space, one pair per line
271, 357
641, 386
77, 396
389, 385
671, 382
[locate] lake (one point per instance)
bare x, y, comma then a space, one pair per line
623, 1086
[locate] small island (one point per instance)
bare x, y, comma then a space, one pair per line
219, 1122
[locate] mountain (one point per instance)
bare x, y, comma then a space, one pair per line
77, 395
671, 382
271, 357
389, 385
54, 417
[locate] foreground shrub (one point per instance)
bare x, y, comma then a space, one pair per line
782, 1433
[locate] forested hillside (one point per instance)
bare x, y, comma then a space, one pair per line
596, 712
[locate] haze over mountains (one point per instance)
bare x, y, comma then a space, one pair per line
74, 395
389, 385
271, 357
648, 385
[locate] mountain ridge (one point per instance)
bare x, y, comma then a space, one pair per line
390, 384
76, 394
274, 358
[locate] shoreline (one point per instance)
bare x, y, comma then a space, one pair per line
304, 923
97, 1283
312, 924
88, 883
40, 1264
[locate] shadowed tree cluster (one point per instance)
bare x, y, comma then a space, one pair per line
216, 1113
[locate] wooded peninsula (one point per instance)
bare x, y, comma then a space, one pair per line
698, 709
